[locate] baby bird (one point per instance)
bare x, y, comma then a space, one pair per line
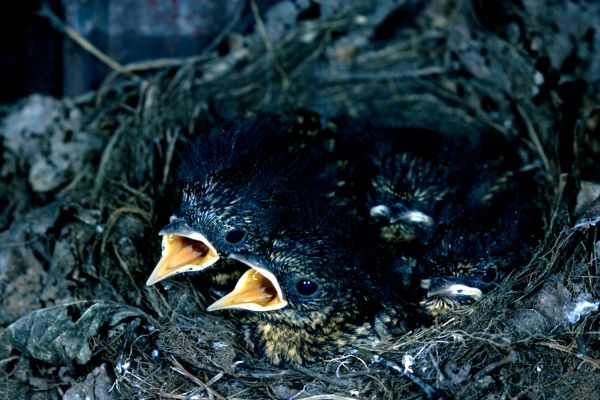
407, 196
237, 187
303, 300
494, 230
451, 220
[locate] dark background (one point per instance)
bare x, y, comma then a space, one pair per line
30, 51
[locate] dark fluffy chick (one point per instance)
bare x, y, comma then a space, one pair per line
451, 219
494, 230
237, 186
303, 299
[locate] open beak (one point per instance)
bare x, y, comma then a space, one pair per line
256, 290
184, 251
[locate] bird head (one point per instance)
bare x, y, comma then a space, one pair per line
299, 273
446, 295
238, 185
461, 267
222, 214
405, 193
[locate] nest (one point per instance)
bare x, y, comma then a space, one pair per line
86, 185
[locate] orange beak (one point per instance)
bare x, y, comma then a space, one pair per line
256, 290
185, 252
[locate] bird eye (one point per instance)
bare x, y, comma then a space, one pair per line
306, 287
235, 236
489, 275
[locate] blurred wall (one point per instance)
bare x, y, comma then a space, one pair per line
136, 30
35, 58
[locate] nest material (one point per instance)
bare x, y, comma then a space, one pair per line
86, 185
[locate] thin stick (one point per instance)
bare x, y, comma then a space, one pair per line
285, 83
9, 359
177, 367
537, 144
594, 362
105, 159
237, 14
84, 43
509, 359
